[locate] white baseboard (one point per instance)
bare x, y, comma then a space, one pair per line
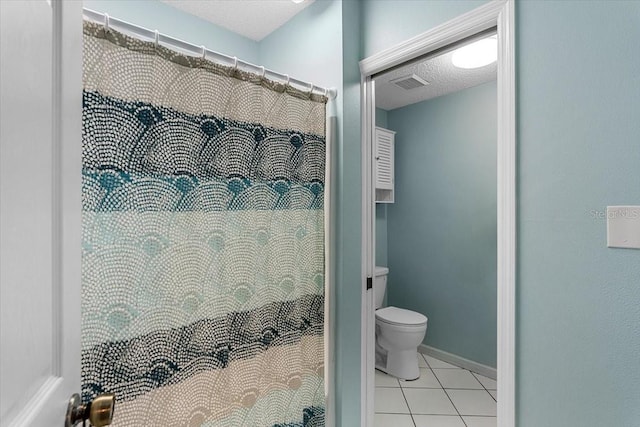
476, 367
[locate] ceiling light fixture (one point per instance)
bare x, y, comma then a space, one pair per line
297, 1
477, 54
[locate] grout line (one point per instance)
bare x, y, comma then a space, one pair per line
411, 381
409, 407
485, 389
437, 388
425, 360
481, 416
475, 374
461, 388
451, 365
455, 407
449, 397
476, 378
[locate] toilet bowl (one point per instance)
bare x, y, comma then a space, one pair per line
399, 332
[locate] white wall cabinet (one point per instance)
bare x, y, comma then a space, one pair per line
384, 141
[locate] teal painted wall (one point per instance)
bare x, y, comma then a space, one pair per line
389, 22
442, 227
382, 118
382, 258
578, 303
381, 208
350, 283
308, 47
156, 15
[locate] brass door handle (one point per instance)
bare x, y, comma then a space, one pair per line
99, 411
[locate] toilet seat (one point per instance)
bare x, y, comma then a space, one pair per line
400, 317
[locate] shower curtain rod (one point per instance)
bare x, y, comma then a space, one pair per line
98, 17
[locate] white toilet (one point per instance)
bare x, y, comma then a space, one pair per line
398, 334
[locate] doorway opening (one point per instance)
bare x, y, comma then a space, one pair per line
398, 86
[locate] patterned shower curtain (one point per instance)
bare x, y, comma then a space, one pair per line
203, 240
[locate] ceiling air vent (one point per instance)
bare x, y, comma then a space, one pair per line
409, 82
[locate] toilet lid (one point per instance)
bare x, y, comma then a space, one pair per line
400, 316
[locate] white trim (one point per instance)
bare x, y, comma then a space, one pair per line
500, 14
506, 216
70, 180
473, 22
368, 237
330, 262
460, 361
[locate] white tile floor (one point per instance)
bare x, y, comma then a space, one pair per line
443, 396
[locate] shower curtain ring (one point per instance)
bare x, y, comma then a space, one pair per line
156, 38
311, 91
263, 71
326, 92
288, 79
106, 22
204, 52
235, 63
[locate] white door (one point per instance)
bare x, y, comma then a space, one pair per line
40, 209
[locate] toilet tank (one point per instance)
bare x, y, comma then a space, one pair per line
380, 284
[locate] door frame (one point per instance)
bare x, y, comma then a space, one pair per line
498, 14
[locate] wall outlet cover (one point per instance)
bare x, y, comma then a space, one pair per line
623, 227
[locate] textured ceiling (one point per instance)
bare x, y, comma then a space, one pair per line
254, 19
442, 76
